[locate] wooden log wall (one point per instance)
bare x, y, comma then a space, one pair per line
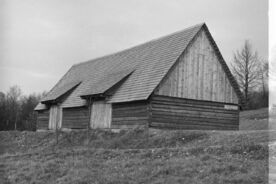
198, 74
43, 119
75, 118
172, 112
130, 115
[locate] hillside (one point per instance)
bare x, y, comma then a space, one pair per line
136, 156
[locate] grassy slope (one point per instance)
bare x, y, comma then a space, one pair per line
136, 156
254, 119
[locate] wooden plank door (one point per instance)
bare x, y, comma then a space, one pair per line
55, 118
100, 115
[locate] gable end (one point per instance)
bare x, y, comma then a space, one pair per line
200, 73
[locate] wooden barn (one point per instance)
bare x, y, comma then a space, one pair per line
177, 81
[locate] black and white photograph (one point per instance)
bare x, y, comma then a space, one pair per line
137, 92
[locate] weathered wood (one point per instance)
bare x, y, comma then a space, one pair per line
199, 75
128, 126
131, 110
196, 105
176, 112
197, 112
129, 115
196, 116
189, 127
134, 104
100, 115
55, 119
191, 101
191, 108
75, 118
137, 114
125, 122
129, 118
195, 120
43, 119
158, 99
191, 122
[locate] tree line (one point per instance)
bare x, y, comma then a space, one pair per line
17, 110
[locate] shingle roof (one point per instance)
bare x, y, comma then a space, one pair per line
106, 83
149, 62
59, 91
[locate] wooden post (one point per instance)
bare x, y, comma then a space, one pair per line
88, 124
149, 119
57, 122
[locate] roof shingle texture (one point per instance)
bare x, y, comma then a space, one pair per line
149, 62
59, 91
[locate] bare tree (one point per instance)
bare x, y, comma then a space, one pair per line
272, 78
264, 76
13, 96
246, 69
272, 65
2, 111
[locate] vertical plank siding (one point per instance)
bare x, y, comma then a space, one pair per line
43, 119
100, 115
199, 75
75, 118
54, 117
130, 115
173, 112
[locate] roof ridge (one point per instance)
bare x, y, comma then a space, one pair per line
141, 44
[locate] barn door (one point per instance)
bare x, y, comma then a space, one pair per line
100, 115
55, 117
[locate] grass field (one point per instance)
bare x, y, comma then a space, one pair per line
139, 156
254, 119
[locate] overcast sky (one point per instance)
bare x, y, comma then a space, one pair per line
272, 52
41, 39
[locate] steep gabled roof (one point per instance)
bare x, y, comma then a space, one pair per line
148, 62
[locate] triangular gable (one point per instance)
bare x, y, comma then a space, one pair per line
231, 78
169, 85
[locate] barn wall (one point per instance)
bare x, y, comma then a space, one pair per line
130, 115
199, 75
43, 119
75, 118
100, 115
172, 112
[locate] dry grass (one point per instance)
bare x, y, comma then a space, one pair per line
137, 156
